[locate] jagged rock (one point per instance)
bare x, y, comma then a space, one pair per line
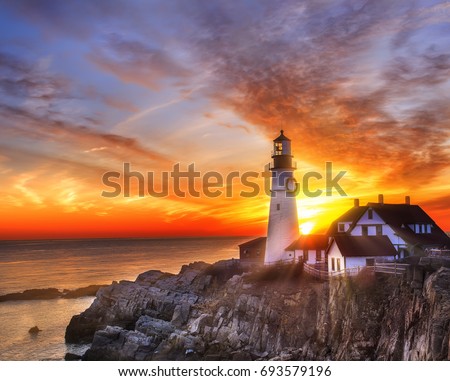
181, 314
198, 324
154, 327
149, 278
115, 343
155, 294
217, 313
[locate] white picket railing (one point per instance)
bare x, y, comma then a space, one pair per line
385, 268
391, 268
437, 252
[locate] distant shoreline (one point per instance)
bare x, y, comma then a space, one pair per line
51, 293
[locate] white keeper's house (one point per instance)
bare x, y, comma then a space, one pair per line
382, 232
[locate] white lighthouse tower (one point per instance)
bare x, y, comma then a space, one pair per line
283, 221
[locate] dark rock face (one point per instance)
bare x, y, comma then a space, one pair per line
216, 313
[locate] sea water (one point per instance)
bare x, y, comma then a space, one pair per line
70, 264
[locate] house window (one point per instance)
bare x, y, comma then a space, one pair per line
428, 228
341, 227
370, 214
423, 228
333, 268
417, 228
318, 255
305, 255
379, 230
338, 264
364, 230
278, 206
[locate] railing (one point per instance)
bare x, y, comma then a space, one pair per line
284, 261
391, 268
316, 273
385, 268
272, 166
438, 252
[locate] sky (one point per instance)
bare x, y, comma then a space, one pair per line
88, 86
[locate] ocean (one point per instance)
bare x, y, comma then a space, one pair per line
71, 264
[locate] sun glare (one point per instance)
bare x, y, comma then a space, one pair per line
306, 227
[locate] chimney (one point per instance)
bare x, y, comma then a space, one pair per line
380, 199
356, 202
407, 200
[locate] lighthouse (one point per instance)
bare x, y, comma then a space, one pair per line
283, 221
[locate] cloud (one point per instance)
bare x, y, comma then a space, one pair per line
45, 129
71, 18
135, 62
33, 109
120, 104
96, 149
21, 79
361, 83
307, 68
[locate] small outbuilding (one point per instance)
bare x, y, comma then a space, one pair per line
253, 251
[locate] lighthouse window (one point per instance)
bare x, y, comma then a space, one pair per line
278, 148
278, 206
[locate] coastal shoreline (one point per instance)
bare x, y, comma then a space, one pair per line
51, 293
226, 312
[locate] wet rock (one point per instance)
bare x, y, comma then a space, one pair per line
34, 330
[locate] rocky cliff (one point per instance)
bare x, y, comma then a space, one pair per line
220, 312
